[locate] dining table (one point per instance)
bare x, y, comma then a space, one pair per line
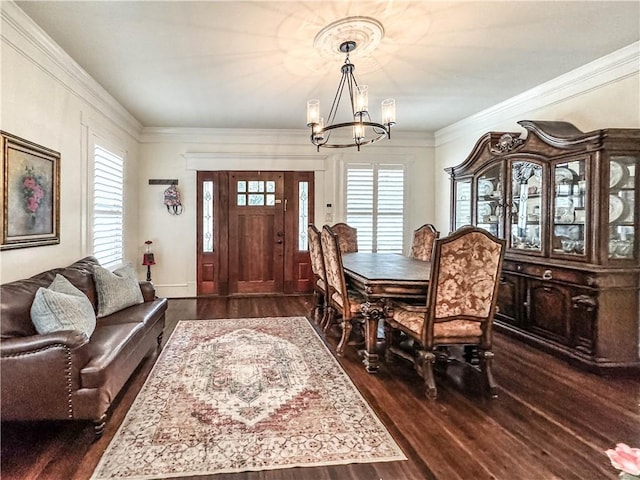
380, 278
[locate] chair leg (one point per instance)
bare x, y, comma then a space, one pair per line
486, 366
346, 332
318, 301
329, 315
391, 338
323, 315
424, 364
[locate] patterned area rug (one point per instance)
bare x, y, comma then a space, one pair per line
244, 394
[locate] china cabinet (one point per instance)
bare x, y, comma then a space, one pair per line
567, 203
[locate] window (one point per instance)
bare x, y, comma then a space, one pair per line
256, 193
303, 216
207, 216
108, 218
375, 206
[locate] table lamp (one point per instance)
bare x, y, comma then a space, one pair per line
148, 260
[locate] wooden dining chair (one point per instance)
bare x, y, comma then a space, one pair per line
461, 303
342, 303
422, 242
347, 237
320, 285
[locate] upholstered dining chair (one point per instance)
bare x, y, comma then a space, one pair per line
320, 285
341, 302
347, 237
422, 242
461, 303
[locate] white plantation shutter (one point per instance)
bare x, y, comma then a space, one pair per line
390, 214
374, 205
108, 192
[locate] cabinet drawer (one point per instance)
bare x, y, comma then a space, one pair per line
544, 272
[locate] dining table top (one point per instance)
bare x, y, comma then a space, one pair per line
390, 275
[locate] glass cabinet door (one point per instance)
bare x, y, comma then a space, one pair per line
569, 208
488, 201
622, 206
526, 207
463, 203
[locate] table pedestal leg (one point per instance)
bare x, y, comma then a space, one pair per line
371, 313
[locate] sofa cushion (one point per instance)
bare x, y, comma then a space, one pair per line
62, 307
16, 297
116, 290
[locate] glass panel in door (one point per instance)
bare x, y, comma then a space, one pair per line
622, 201
489, 199
526, 206
569, 208
463, 203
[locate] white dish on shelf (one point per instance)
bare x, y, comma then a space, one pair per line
485, 187
616, 208
483, 210
574, 233
565, 175
618, 173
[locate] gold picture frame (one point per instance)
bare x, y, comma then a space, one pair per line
31, 194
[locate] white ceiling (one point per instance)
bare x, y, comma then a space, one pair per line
251, 64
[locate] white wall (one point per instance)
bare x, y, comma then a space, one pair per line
47, 99
602, 94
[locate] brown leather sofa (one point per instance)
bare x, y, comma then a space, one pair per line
65, 374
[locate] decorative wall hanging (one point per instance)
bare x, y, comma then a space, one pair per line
172, 200
31, 194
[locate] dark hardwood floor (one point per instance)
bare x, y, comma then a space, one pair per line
550, 421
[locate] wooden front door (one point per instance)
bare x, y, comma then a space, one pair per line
256, 232
252, 232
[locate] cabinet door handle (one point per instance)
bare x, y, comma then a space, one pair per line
547, 275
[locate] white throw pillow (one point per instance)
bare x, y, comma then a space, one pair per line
116, 290
62, 307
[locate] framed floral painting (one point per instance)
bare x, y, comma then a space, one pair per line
31, 194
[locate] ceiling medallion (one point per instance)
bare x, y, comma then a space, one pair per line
362, 131
366, 32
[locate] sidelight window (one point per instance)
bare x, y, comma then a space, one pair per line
303, 215
207, 216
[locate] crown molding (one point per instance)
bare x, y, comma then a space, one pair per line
30, 41
621, 64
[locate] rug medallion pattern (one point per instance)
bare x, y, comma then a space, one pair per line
244, 394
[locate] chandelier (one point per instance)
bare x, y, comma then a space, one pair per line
361, 130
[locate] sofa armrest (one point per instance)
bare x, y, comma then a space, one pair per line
73, 339
148, 291
40, 374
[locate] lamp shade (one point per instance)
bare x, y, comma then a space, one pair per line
147, 259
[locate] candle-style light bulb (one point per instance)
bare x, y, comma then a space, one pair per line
388, 111
362, 99
313, 112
